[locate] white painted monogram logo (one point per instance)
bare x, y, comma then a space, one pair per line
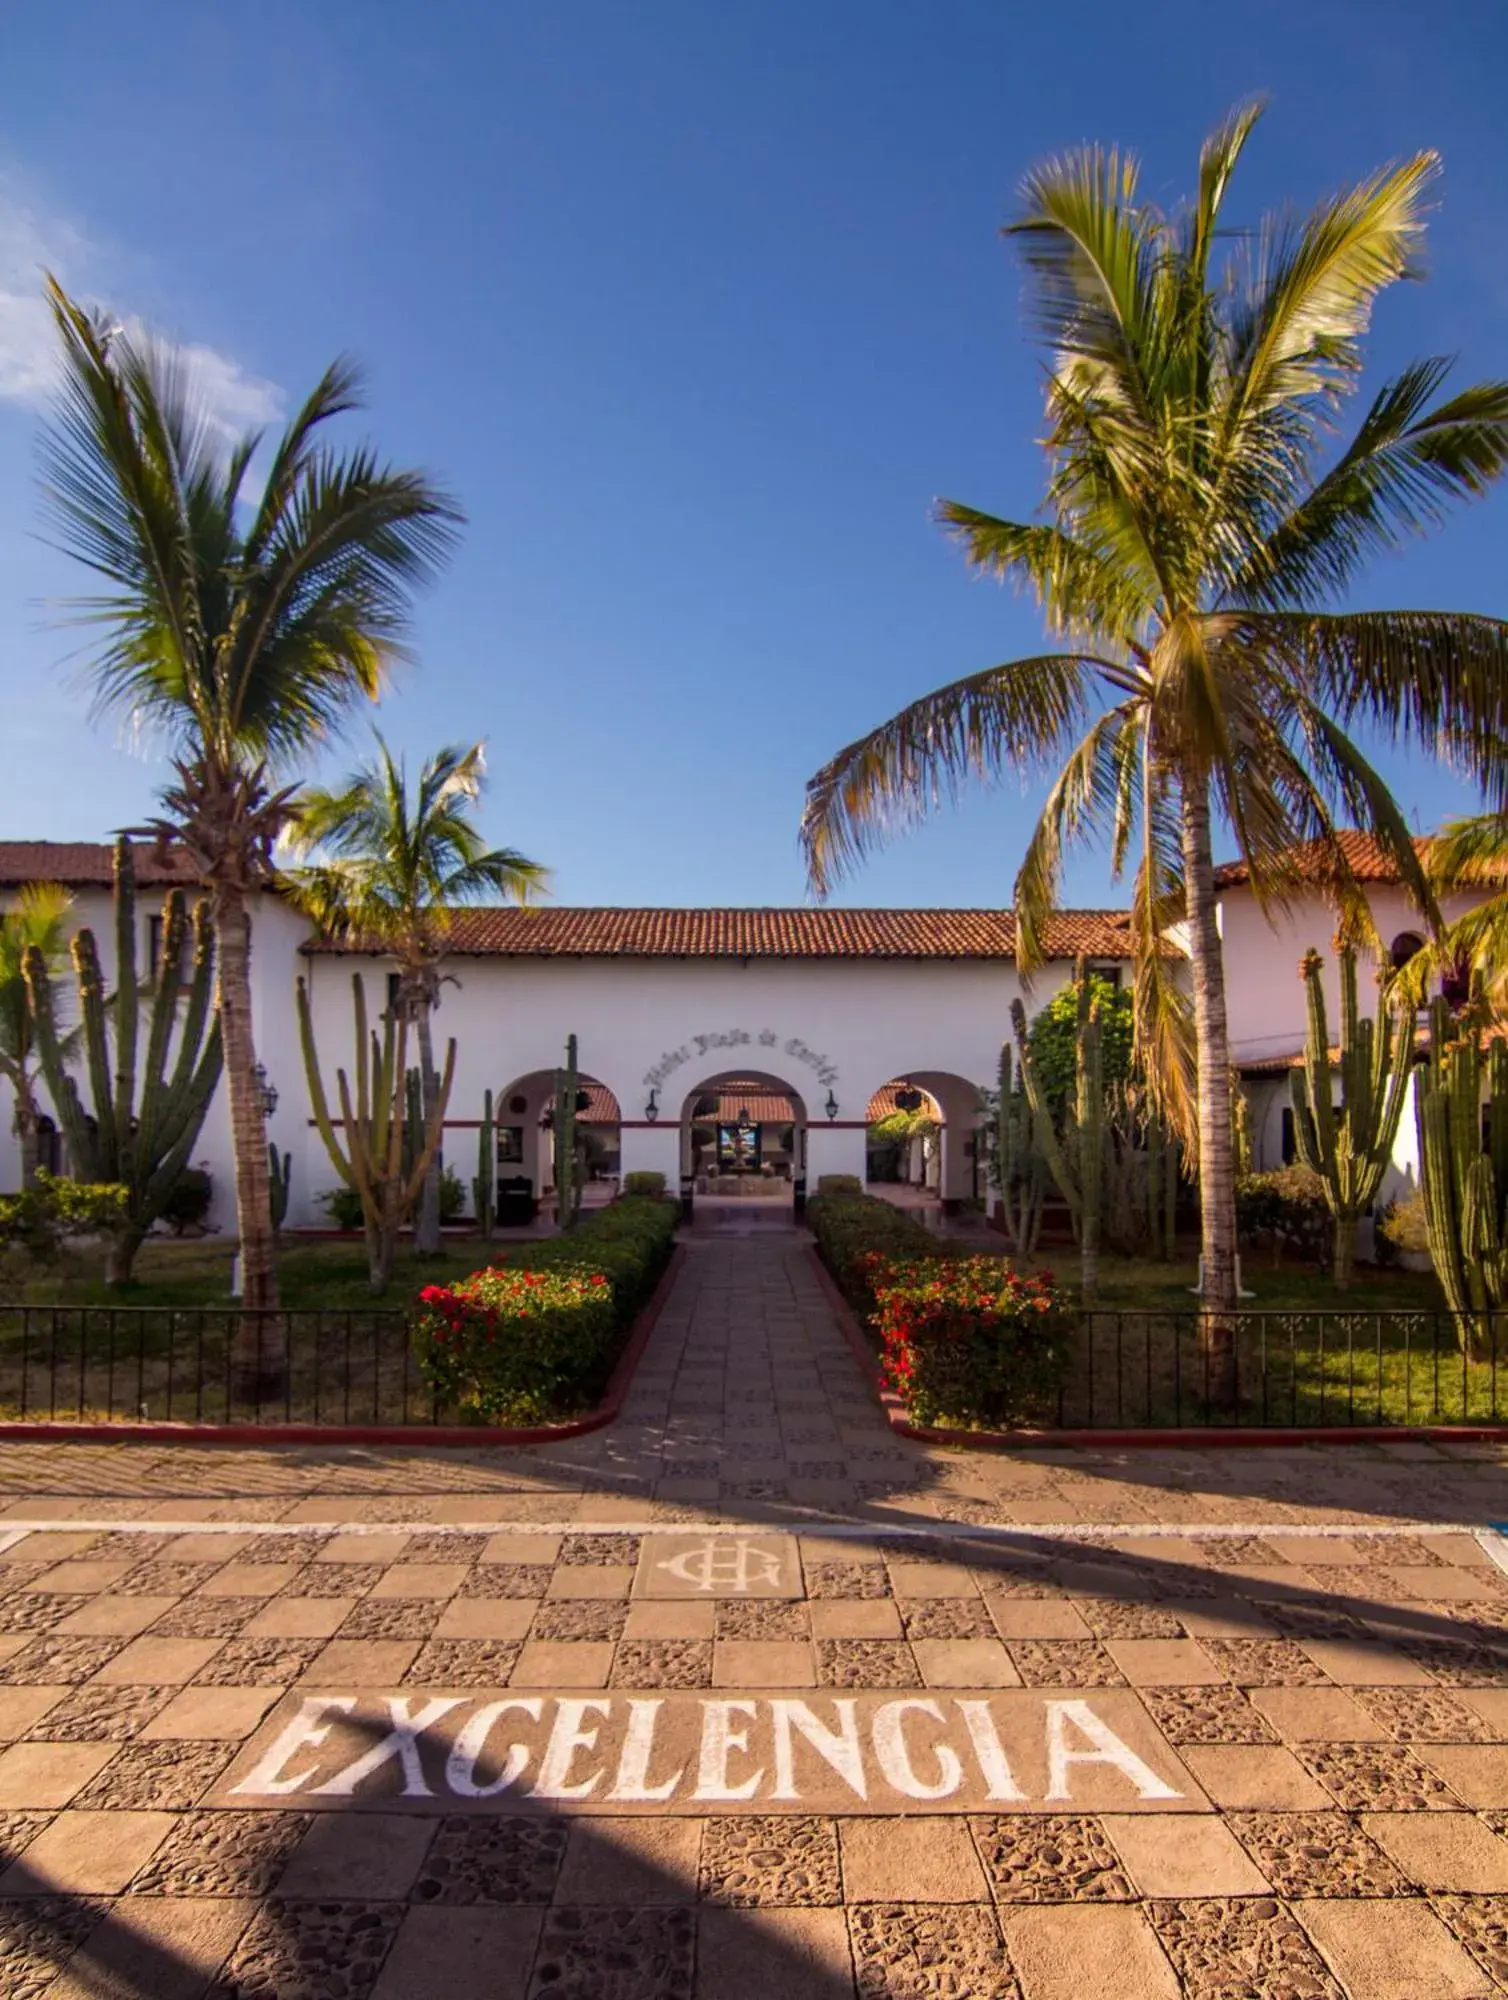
725, 1564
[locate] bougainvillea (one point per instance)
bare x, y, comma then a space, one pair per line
967, 1341
518, 1347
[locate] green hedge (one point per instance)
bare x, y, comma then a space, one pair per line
964, 1340
504, 1350
851, 1227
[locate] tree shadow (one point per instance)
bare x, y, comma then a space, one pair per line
511, 1905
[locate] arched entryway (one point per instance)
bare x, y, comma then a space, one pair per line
524, 1114
743, 1139
924, 1141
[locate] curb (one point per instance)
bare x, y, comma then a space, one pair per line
1190, 1437
418, 1435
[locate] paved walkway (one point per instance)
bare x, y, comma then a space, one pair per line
746, 1696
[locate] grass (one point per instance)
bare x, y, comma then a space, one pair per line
159, 1347
330, 1273
1383, 1352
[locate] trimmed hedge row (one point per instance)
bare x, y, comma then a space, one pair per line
965, 1341
851, 1228
533, 1338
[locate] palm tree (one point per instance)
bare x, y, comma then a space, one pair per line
1199, 518
241, 625
37, 917
1468, 855
394, 868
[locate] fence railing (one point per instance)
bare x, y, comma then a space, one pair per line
210, 1365
1130, 1369
1141, 1369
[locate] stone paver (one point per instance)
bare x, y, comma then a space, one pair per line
747, 1694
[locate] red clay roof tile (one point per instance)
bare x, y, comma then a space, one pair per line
88, 864
772, 933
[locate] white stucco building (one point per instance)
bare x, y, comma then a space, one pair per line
705, 1034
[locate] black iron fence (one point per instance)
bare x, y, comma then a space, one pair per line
1129, 1369
1144, 1369
210, 1365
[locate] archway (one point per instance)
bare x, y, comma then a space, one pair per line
524, 1115
743, 1139
924, 1145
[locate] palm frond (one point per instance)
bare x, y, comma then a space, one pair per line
1405, 466
1088, 791
1295, 333
1009, 718
1081, 593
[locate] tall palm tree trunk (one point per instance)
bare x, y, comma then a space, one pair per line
427, 1228
260, 1355
1217, 1165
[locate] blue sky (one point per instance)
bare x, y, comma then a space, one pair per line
697, 309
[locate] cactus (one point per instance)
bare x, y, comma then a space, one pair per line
1018, 1161
1078, 1166
483, 1198
413, 1118
143, 1127
373, 1161
1465, 1182
279, 1175
1349, 1145
567, 1167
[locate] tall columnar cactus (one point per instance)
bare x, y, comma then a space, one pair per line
1019, 1166
567, 1167
413, 1117
279, 1178
1466, 1182
1350, 1144
373, 1123
483, 1197
1077, 1166
147, 1104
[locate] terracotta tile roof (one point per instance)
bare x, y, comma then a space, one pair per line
772, 933
1365, 858
883, 1104
87, 864
763, 1107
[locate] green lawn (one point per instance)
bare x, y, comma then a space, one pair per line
197, 1273
161, 1346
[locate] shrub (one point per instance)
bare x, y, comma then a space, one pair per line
966, 1341
1402, 1224
1287, 1207
343, 1206
851, 1228
533, 1337
644, 1184
514, 1346
1054, 1037
40, 1216
839, 1184
452, 1196
189, 1203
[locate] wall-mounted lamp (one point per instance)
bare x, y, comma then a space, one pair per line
652, 1108
831, 1106
266, 1090
745, 1122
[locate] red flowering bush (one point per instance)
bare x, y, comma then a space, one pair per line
967, 1341
514, 1346
534, 1337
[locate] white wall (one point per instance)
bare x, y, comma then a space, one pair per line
646, 1022
1263, 988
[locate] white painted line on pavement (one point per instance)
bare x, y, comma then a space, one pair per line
825, 1530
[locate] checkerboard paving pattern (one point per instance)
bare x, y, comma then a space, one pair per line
1317, 1637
